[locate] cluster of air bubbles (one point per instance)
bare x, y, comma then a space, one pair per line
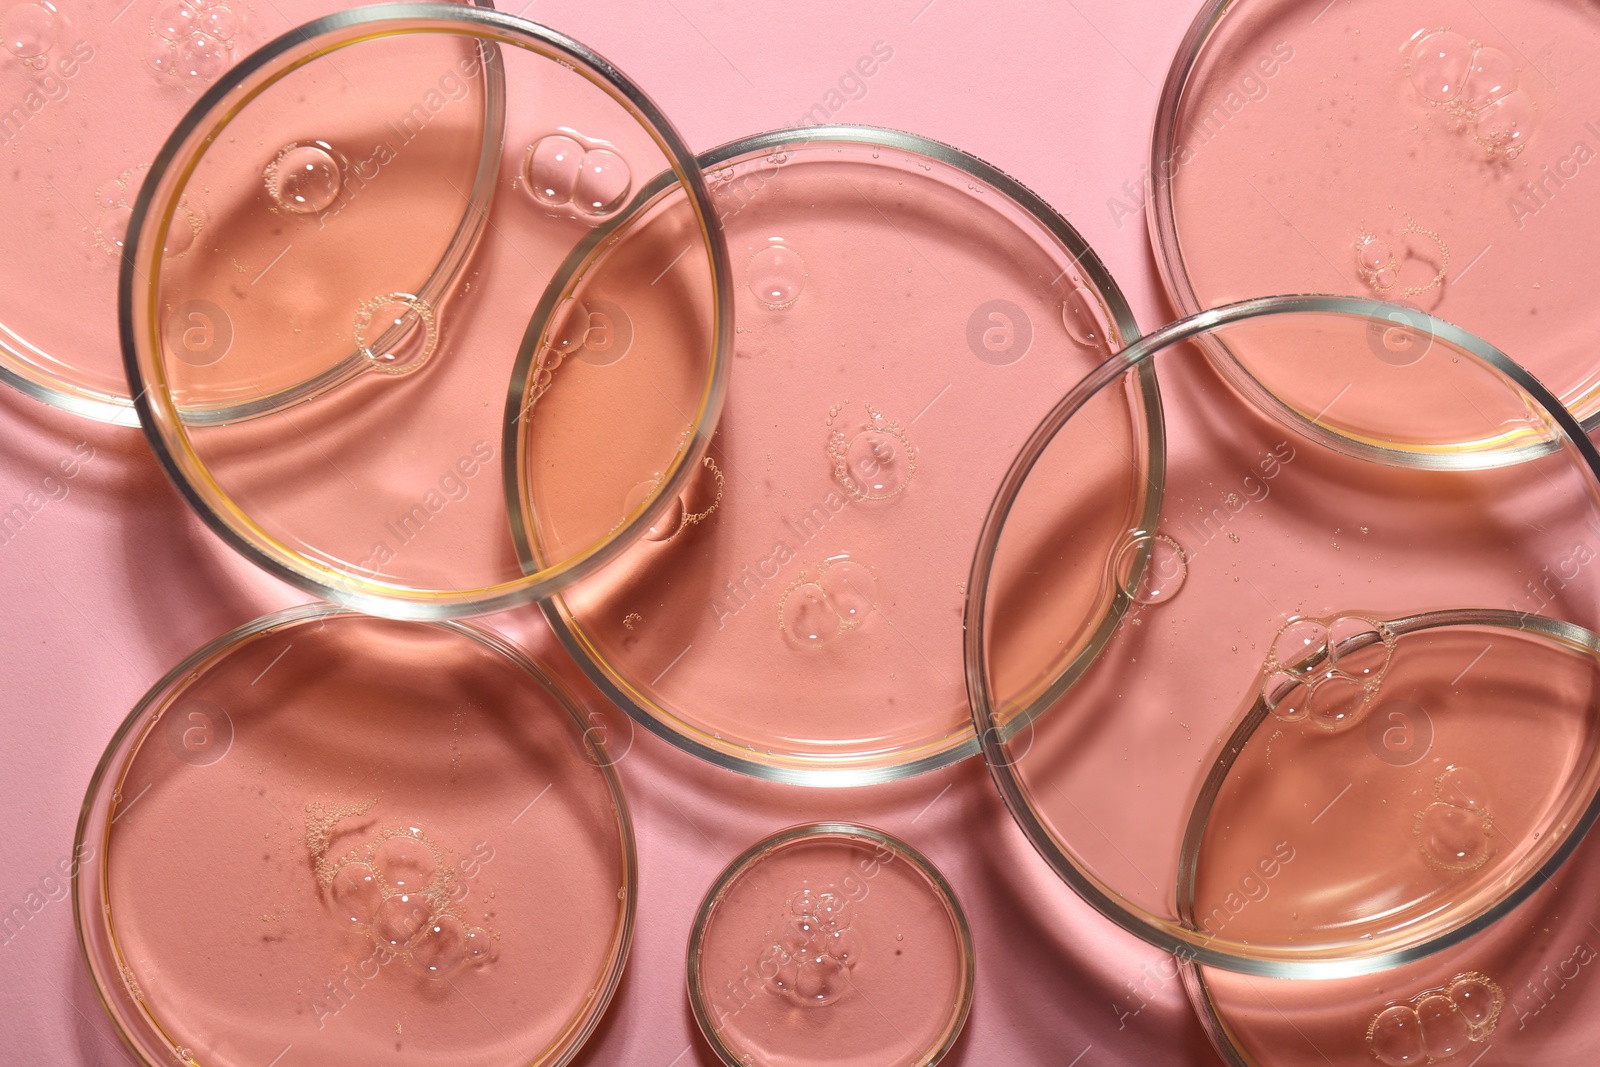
1381, 259
695, 505
396, 890
30, 30
305, 178
396, 333
776, 274
1438, 1024
1476, 86
569, 172
1327, 670
816, 610
1453, 832
193, 40
872, 459
817, 949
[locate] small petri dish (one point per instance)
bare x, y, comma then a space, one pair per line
333, 165
77, 165
1425, 154
902, 310
831, 943
1311, 633
1517, 991
330, 838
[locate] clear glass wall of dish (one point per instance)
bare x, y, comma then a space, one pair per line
334, 165
902, 310
1340, 631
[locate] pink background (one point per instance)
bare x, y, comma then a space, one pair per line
105, 589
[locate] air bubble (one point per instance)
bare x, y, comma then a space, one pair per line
1395, 1036
551, 169
806, 617
821, 980
1504, 126
1373, 254
776, 275
442, 947
1359, 648
405, 863
1444, 1030
1479, 1000
668, 524
161, 56
356, 894
1301, 645
1453, 838
1085, 319
174, 20
1493, 75
804, 902
185, 227
844, 945
1286, 696
852, 592
877, 464
29, 30
400, 918
396, 333
831, 907
1439, 65
201, 58
1337, 702
304, 178
111, 231
219, 22
477, 946
1463, 787
603, 183
1151, 568
788, 973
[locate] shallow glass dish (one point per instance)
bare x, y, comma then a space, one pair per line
1431, 153
332, 166
88, 91
902, 310
329, 838
831, 943
1305, 596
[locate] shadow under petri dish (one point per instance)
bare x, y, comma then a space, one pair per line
328, 838
902, 312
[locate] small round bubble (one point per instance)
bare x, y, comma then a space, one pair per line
804, 902
1444, 1029
809, 621
844, 945
219, 22
852, 592
776, 275
878, 463
1493, 75
476, 947
1084, 318
111, 231
399, 919
551, 169
1453, 838
442, 946
174, 20
821, 980
201, 58
1286, 696
1479, 1001
1439, 64
831, 908
356, 894
396, 333
304, 179
1301, 645
28, 30
161, 56
405, 863
1395, 1037
603, 182
1336, 702
668, 523
786, 978
180, 234
1463, 787
1504, 126
1358, 647
1151, 569
1373, 253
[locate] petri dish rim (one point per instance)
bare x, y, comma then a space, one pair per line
821, 831
1165, 244
88, 878
1168, 936
161, 419
861, 770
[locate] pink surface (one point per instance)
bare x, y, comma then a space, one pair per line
109, 581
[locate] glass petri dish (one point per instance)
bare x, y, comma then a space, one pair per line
330, 838
1302, 599
901, 309
831, 943
332, 165
78, 165
1421, 153
1517, 991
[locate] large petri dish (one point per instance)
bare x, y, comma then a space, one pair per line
831, 943
1426, 153
1302, 600
330, 838
90, 90
1516, 992
902, 311
330, 165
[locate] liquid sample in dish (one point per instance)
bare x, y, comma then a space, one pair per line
346, 840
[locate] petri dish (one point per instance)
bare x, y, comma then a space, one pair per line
330, 838
1517, 991
91, 89
901, 309
1424, 154
831, 943
1307, 612
332, 165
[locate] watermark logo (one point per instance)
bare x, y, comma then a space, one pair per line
999, 332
